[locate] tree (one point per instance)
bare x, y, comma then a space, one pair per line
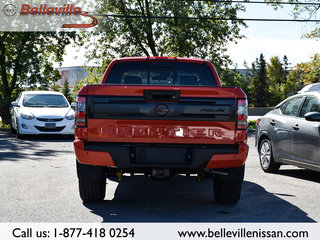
308, 11
25, 61
232, 78
302, 75
276, 76
285, 68
259, 88
92, 79
66, 91
163, 27
95, 76
293, 84
310, 71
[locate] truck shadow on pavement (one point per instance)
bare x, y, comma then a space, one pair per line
12, 149
183, 199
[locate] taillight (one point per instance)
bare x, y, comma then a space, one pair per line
81, 110
257, 122
242, 114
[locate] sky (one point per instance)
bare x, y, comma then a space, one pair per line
273, 38
269, 38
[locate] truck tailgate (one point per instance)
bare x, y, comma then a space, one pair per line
156, 114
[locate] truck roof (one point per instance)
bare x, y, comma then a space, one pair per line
178, 59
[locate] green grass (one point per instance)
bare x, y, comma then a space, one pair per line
4, 126
252, 124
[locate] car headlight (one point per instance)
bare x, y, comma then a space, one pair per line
70, 117
27, 116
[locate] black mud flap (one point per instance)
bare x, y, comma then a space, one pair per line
90, 173
233, 176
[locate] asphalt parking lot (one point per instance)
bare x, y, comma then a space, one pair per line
38, 183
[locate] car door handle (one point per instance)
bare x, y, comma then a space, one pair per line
296, 127
272, 122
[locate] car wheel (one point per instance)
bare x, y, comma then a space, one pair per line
227, 188
267, 162
92, 191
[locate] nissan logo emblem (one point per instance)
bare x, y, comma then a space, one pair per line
161, 110
9, 10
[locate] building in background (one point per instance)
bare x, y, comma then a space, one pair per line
72, 75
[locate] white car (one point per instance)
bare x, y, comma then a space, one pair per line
315, 87
42, 112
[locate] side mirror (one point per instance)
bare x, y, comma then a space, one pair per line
15, 104
312, 116
73, 105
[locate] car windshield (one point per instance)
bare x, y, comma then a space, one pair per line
161, 73
44, 100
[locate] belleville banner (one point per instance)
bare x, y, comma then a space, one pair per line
49, 15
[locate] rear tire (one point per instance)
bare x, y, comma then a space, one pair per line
92, 182
92, 191
227, 188
267, 162
227, 193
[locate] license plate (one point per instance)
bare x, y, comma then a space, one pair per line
50, 125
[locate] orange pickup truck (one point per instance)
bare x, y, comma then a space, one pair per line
161, 116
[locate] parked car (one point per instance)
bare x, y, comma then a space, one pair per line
290, 134
42, 112
315, 87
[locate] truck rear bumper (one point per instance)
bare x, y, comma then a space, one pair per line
178, 156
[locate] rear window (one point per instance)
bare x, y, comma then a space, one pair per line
161, 73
